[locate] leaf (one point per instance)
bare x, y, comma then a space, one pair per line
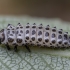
39, 58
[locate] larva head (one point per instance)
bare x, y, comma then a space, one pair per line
2, 35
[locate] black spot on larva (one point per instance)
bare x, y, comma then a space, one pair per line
27, 37
2, 30
67, 32
32, 44
57, 45
65, 37
27, 26
18, 23
65, 43
53, 35
43, 42
33, 26
47, 28
40, 27
51, 46
41, 24
3, 38
46, 40
9, 24
61, 29
21, 27
10, 40
33, 32
33, 38
19, 40
46, 34
60, 36
60, 32
7, 29
53, 41
30, 41
40, 33
54, 27
27, 23
27, 31
13, 29
60, 42
8, 32
54, 30
38, 44
17, 28
11, 34
50, 43
40, 39
25, 41
47, 25
45, 45
19, 34
21, 31
34, 23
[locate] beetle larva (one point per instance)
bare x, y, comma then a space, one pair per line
33, 35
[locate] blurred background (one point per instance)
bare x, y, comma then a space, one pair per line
36, 8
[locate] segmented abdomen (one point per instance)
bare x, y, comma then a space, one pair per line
36, 35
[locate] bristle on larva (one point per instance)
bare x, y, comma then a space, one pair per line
36, 35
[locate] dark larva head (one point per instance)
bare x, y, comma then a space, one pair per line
2, 35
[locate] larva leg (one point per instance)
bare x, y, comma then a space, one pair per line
0, 41
27, 48
15, 48
7, 46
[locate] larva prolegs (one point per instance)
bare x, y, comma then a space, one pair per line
27, 48
8, 48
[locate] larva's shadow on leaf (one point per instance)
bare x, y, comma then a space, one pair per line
37, 48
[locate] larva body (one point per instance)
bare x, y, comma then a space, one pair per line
34, 35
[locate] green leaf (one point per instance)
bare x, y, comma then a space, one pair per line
39, 58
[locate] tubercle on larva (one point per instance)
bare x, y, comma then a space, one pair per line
33, 35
